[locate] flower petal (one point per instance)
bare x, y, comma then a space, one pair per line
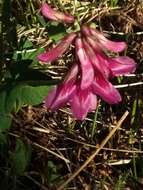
103, 41
72, 74
56, 52
93, 102
86, 66
59, 96
51, 96
50, 13
97, 58
122, 65
80, 103
105, 90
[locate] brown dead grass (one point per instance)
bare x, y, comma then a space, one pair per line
59, 138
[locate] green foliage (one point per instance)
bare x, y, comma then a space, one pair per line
25, 94
51, 171
20, 84
113, 3
23, 81
14, 162
13, 97
5, 118
121, 182
3, 142
25, 44
25, 52
20, 158
56, 31
41, 20
5, 122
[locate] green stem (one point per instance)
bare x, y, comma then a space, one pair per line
94, 123
134, 166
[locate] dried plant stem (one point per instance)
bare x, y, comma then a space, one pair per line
96, 151
51, 152
37, 183
129, 85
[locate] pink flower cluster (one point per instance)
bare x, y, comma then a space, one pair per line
91, 71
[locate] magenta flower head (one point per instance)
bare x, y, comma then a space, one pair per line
69, 91
53, 54
89, 76
87, 72
96, 43
51, 14
61, 94
102, 41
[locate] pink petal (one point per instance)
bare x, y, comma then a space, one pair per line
113, 46
86, 66
56, 52
103, 41
51, 96
50, 13
59, 96
104, 65
93, 102
94, 44
106, 90
80, 103
97, 58
72, 74
122, 65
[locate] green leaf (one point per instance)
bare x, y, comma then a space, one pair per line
26, 43
27, 54
51, 172
25, 94
3, 94
56, 31
33, 95
41, 20
5, 123
5, 119
20, 158
3, 144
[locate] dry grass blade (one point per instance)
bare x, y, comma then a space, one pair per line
37, 183
50, 151
96, 151
129, 85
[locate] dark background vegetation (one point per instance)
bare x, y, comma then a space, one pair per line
40, 149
